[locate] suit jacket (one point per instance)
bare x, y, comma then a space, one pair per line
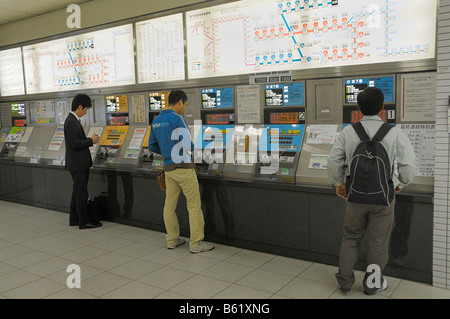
78, 155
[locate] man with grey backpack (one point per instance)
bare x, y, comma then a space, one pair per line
372, 149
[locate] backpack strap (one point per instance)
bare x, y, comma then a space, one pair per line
382, 131
361, 132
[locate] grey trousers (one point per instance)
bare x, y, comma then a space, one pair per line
377, 220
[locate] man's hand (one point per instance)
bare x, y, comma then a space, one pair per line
398, 189
340, 191
95, 138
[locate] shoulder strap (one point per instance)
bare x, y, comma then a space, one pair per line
361, 132
382, 131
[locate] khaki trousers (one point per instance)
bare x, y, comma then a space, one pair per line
183, 179
378, 221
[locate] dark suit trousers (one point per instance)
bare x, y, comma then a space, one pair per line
78, 204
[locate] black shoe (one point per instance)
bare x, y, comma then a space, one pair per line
74, 223
90, 225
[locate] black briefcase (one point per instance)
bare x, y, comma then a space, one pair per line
98, 207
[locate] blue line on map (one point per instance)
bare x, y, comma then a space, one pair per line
78, 76
289, 29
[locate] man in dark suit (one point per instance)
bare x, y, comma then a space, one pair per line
78, 160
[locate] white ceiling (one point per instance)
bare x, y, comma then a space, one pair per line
14, 10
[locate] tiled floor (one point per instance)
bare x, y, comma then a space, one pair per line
119, 261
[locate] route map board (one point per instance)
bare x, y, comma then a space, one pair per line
11, 72
273, 35
160, 49
87, 61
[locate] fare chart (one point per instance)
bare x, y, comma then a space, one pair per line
86, 61
266, 35
160, 49
11, 72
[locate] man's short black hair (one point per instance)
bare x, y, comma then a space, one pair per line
81, 99
370, 101
176, 95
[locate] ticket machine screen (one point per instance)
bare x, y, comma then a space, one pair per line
285, 94
355, 85
217, 98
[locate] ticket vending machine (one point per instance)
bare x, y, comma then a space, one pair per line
242, 153
145, 160
157, 101
11, 143
211, 144
4, 131
42, 122
55, 152
113, 137
191, 114
324, 105
281, 140
129, 155
11, 136
94, 122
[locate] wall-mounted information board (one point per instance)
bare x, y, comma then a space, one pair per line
86, 61
160, 49
11, 72
271, 35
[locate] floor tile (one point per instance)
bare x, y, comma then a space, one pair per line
134, 290
68, 293
102, 284
195, 263
120, 261
48, 266
166, 277
27, 259
250, 258
226, 271
413, 290
135, 268
108, 261
301, 288
264, 280
165, 256
37, 289
236, 291
136, 249
15, 279
288, 266
200, 287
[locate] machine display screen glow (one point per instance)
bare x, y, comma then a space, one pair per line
252, 36
220, 118
356, 116
17, 109
86, 61
11, 72
214, 136
158, 100
286, 94
284, 117
289, 137
356, 85
217, 98
116, 103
